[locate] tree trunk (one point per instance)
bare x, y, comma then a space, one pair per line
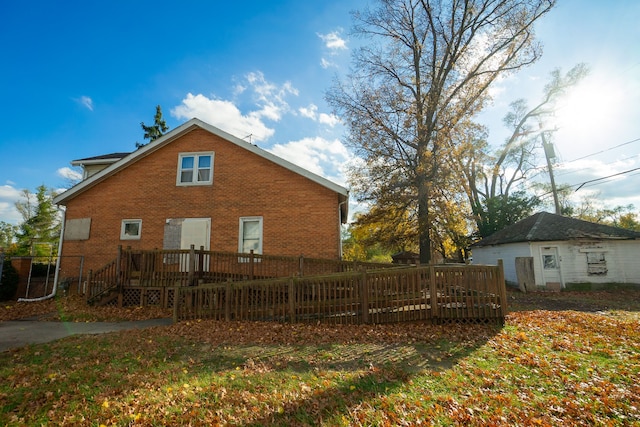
424, 221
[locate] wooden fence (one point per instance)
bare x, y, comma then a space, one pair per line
435, 293
141, 270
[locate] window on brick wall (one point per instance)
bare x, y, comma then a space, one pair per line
131, 229
195, 169
250, 235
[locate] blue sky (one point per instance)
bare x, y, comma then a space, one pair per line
77, 80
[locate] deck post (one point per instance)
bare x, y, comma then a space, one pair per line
301, 266
200, 263
119, 269
292, 300
192, 265
87, 291
364, 297
227, 300
502, 288
433, 288
251, 261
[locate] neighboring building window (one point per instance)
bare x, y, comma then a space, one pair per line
195, 168
250, 235
596, 264
131, 229
550, 262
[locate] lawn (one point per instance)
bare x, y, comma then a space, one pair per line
543, 367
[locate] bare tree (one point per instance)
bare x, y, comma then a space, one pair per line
424, 66
493, 178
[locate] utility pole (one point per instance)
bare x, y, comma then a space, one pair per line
549, 153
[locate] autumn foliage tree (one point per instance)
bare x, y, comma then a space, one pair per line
424, 66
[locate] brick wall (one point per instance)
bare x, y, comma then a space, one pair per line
299, 215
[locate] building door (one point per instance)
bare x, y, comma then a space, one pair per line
196, 232
551, 274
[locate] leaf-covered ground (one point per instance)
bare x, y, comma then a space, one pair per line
543, 367
74, 309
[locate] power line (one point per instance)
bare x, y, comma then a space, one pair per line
610, 176
591, 181
604, 151
569, 172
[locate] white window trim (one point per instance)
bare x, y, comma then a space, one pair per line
244, 219
124, 236
195, 155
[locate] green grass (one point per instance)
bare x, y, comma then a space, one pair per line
541, 368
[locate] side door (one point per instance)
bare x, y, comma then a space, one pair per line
551, 273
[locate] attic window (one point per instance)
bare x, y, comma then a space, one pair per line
195, 169
596, 264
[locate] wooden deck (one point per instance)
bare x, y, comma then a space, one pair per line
200, 284
435, 294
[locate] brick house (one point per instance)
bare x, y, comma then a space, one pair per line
199, 185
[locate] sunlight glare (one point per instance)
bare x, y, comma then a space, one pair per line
590, 110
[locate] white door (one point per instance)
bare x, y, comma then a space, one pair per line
196, 232
551, 274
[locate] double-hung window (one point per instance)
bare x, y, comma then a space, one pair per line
195, 168
250, 235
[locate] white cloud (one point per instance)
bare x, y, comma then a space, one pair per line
325, 63
224, 115
318, 155
270, 99
334, 41
70, 174
9, 195
311, 112
86, 102
328, 119
270, 96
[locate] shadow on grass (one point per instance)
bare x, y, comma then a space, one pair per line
382, 370
85, 370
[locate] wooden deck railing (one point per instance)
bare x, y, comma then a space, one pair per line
434, 293
189, 267
102, 281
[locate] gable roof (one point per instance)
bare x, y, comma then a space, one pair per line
104, 159
545, 226
127, 159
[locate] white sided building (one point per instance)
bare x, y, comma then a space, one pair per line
548, 251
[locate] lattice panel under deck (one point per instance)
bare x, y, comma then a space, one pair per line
131, 297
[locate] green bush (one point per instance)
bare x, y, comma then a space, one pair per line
8, 281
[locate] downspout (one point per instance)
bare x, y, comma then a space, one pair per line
55, 277
340, 228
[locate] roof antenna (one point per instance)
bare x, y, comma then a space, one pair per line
248, 136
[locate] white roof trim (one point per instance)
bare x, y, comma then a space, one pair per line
175, 134
93, 162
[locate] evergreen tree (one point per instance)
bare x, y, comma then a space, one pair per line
39, 232
156, 130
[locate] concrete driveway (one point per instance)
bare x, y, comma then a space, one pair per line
18, 333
